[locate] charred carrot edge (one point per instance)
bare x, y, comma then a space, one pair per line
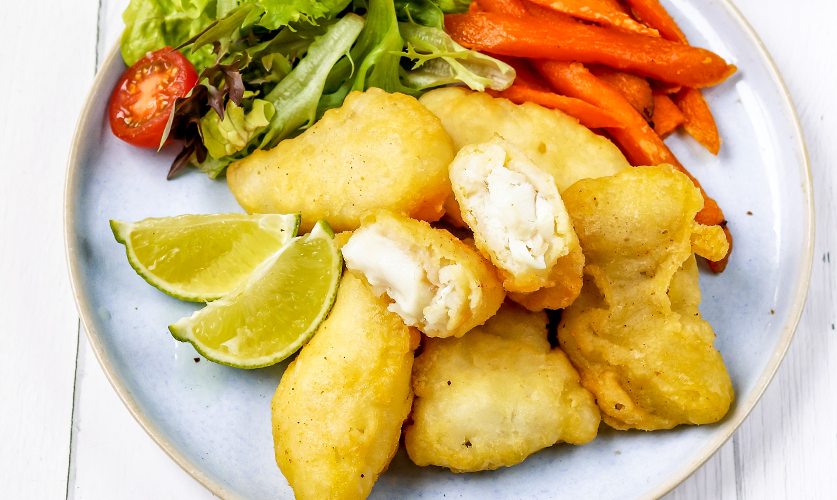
635, 89
655, 15
699, 120
719, 266
597, 12
537, 38
588, 115
526, 76
667, 116
642, 146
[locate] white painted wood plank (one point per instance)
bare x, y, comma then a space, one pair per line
48, 62
715, 480
788, 446
112, 456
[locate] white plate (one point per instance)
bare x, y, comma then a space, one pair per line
215, 421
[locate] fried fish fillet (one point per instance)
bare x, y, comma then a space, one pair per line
495, 396
437, 283
635, 333
378, 150
338, 410
518, 219
554, 141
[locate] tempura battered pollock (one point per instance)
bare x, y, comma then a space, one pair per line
378, 150
495, 396
519, 222
554, 141
437, 283
635, 333
338, 411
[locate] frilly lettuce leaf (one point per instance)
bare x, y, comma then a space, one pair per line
440, 61
230, 135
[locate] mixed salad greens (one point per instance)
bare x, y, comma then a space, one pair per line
268, 69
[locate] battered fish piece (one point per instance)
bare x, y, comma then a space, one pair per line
635, 333
436, 282
378, 150
338, 411
518, 219
496, 396
554, 141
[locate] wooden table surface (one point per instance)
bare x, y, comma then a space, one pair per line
65, 433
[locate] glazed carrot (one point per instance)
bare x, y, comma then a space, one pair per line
667, 117
537, 38
699, 121
665, 87
547, 13
597, 11
655, 15
474, 7
635, 89
641, 145
510, 7
526, 76
588, 115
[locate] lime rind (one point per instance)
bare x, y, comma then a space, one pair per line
182, 329
122, 232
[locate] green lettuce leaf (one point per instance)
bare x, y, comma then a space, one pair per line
230, 135
296, 97
153, 24
278, 13
440, 61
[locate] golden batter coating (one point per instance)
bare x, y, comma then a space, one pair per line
436, 282
554, 141
338, 411
378, 150
496, 396
519, 222
635, 333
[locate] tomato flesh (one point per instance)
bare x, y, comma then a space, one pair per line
144, 97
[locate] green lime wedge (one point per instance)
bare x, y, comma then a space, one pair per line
202, 257
272, 314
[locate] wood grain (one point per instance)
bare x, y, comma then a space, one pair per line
48, 68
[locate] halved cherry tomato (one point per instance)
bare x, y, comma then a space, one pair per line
143, 99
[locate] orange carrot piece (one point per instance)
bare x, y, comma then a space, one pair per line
665, 87
642, 146
510, 7
537, 38
474, 7
588, 115
597, 11
699, 120
547, 13
526, 76
635, 89
667, 117
655, 15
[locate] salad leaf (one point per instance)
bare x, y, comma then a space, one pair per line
278, 13
227, 136
296, 97
440, 61
153, 24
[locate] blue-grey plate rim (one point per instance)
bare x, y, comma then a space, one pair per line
726, 428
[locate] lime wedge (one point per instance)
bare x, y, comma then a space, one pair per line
202, 257
272, 314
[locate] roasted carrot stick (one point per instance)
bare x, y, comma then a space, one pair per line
474, 7
667, 117
655, 15
597, 11
510, 7
588, 115
526, 76
547, 13
699, 121
642, 146
537, 38
635, 89
665, 87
